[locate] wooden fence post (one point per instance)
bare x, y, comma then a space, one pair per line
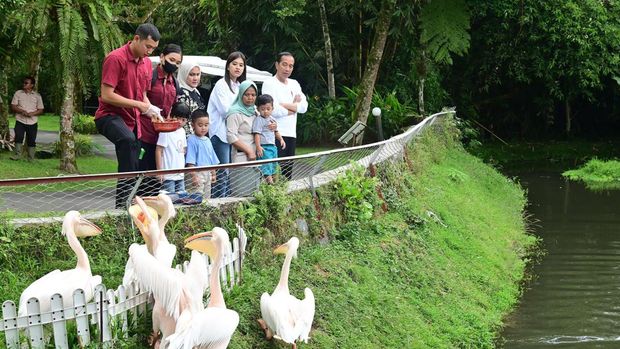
9, 315
81, 317
59, 325
35, 328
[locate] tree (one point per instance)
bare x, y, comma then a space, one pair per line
444, 31
80, 33
7, 56
329, 60
362, 104
540, 59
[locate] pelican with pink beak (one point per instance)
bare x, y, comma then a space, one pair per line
67, 281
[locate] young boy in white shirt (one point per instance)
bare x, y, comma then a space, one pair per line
171, 149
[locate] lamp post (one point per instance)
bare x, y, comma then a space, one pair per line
376, 112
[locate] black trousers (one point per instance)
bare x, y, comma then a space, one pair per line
287, 166
150, 185
127, 147
29, 130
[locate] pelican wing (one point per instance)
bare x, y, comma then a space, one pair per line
210, 328
40, 290
277, 313
165, 283
196, 279
165, 253
304, 315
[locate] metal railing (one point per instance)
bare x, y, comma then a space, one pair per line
40, 200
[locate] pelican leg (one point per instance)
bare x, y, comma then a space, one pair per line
263, 326
154, 340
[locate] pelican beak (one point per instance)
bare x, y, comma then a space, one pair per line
86, 228
202, 242
143, 216
281, 249
161, 203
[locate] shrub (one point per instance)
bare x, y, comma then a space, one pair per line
357, 193
84, 145
84, 124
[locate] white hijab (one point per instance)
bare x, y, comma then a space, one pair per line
184, 70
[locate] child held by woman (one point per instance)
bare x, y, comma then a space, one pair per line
265, 138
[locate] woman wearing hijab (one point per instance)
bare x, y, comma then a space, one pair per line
222, 96
239, 119
189, 79
163, 94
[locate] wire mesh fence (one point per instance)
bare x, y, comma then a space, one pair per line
43, 199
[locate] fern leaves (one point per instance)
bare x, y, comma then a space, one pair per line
445, 26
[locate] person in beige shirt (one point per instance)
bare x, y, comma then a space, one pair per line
27, 105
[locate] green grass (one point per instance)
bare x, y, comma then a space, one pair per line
47, 122
597, 174
440, 269
10, 169
308, 150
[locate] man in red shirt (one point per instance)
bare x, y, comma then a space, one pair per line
125, 78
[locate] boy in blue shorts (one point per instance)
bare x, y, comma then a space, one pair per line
264, 138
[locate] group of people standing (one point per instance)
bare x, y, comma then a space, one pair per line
236, 123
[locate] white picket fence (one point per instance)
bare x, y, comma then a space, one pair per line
108, 309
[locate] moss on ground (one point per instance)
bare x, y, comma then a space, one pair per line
440, 269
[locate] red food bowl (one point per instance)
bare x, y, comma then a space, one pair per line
169, 125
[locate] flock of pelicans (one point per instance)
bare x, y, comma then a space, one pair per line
178, 313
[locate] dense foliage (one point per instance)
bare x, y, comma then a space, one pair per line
521, 69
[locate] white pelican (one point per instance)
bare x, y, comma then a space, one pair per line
213, 326
67, 281
155, 263
165, 209
284, 316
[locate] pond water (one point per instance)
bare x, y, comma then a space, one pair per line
574, 300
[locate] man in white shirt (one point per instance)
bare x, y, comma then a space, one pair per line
27, 105
289, 101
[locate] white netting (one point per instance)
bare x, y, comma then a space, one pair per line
43, 199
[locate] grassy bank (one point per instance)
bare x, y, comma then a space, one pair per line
439, 269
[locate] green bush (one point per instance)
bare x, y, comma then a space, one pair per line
327, 119
84, 145
84, 124
357, 193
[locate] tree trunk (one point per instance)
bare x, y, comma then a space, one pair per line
364, 98
421, 97
67, 141
329, 60
568, 118
35, 64
5, 133
422, 70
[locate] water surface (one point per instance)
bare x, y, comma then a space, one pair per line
574, 302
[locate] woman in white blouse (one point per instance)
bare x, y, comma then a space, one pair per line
222, 97
289, 101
